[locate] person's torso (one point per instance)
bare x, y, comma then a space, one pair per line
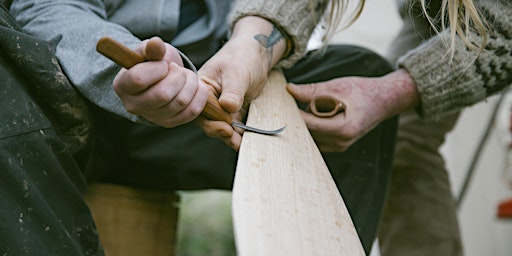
195, 26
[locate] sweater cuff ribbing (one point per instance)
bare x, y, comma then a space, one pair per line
444, 85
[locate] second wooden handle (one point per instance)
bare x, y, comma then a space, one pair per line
128, 58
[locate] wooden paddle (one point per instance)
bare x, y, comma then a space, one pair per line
285, 201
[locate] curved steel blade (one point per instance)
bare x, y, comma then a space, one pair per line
256, 130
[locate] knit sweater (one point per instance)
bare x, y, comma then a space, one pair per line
448, 85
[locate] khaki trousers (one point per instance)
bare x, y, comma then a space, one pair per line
420, 216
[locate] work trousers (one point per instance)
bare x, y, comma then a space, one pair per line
420, 216
42, 182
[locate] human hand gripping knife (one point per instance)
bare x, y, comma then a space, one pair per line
128, 58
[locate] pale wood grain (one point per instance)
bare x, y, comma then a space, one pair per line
285, 201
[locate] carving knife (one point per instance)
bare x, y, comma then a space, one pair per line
128, 58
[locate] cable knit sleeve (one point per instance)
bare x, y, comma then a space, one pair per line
296, 18
470, 77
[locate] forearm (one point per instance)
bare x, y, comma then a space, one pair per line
73, 29
295, 18
262, 38
402, 93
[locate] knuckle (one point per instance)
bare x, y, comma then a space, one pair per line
209, 132
163, 96
162, 99
181, 101
137, 79
196, 110
131, 108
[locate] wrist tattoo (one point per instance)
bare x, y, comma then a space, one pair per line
269, 41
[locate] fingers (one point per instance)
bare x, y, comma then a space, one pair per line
328, 132
191, 111
321, 125
139, 77
229, 101
232, 99
303, 93
155, 49
221, 130
175, 89
169, 116
231, 95
165, 94
160, 89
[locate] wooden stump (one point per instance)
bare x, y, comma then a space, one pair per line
134, 221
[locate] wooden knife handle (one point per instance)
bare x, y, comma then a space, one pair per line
119, 53
128, 58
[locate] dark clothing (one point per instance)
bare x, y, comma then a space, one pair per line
41, 184
43, 122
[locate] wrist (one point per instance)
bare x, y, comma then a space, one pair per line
263, 37
403, 90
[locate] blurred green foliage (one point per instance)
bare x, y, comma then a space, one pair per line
205, 225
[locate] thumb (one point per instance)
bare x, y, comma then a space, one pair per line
303, 93
232, 99
154, 49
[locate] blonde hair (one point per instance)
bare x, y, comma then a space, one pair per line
333, 19
461, 15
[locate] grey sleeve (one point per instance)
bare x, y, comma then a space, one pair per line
73, 28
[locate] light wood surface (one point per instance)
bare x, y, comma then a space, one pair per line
285, 201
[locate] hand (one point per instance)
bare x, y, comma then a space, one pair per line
238, 73
237, 82
368, 101
161, 90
